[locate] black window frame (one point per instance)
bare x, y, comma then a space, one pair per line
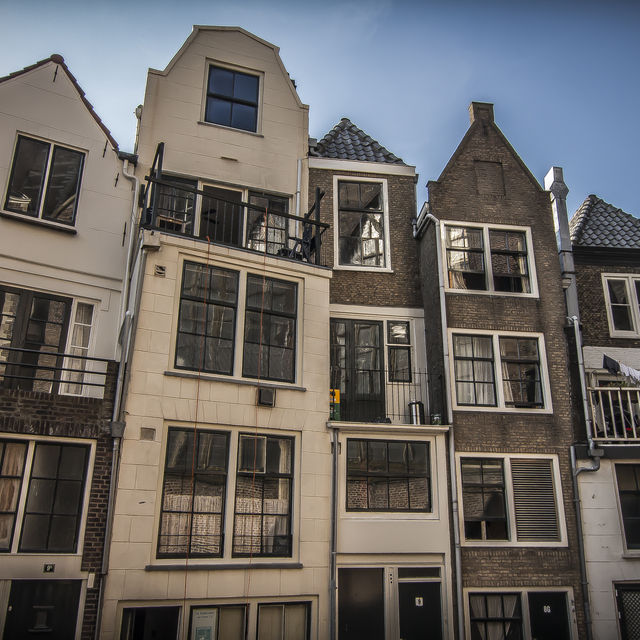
191, 473
283, 543
369, 475
232, 99
515, 618
629, 505
45, 181
275, 223
218, 607
21, 367
485, 491
345, 209
52, 514
265, 312
208, 301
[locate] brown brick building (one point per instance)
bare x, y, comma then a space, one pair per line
489, 268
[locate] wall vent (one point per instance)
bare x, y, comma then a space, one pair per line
266, 397
160, 270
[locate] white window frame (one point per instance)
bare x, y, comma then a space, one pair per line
210, 62
524, 605
228, 515
512, 540
629, 552
488, 268
336, 225
244, 270
497, 372
69, 226
634, 303
24, 490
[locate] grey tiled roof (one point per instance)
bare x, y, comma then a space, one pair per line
599, 224
347, 142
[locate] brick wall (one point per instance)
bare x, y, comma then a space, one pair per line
593, 309
402, 286
42, 414
462, 194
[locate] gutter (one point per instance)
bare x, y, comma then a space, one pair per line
419, 226
333, 586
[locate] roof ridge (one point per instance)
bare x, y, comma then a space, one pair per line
59, 60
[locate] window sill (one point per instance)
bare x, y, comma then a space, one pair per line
498, 294
345, 267
210, 566
535, 412
509, 544
39, 222
209, 377
221, 126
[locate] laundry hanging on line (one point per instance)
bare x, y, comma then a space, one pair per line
616, 367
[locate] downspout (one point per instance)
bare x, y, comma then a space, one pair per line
333, 587
117, 427
421, 224
298, 195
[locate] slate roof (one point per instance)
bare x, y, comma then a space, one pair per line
59, 60
599, 224
347, 142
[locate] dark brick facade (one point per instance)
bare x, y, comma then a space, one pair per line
41, 414
400, 288
592, 301
462, 194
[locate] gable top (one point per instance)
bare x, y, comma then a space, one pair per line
56, 58
599, 224
197, 28
347, 142
481, 116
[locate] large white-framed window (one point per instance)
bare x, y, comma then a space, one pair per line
504, 613
44, 488
227, 494
361, 223
222, 307
628, 487
510, 500
505, 371
488, 259
232, 97
622, 297
44, 182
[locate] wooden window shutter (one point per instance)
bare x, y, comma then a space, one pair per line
534, 500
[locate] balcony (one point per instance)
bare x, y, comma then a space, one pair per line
54, 373
379, 396
615, 413
219, 215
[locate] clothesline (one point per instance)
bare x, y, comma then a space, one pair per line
616, 367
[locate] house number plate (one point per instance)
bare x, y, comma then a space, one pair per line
419, 601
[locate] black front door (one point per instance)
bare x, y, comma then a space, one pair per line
360, 604
357, 370
42, 609
549, 616
150, 623
420, 611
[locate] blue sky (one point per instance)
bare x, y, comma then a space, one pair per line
563, 75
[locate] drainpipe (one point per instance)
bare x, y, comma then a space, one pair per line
117, 426
419, 226
333, 587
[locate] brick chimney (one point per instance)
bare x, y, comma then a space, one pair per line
482, 111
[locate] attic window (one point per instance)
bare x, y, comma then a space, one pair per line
489, 178
232, 99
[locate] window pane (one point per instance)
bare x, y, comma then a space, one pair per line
244, 117
218, 111
246, 87
27, 176
63, 185
221, 81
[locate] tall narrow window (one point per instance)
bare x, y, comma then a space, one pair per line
79, 349
474, 374
622, 295
509, 261
45, 181
262, 524
54, 501
270, 329
232, 99
12, 458
398, 334
388, 476
483, 492
628, 476
521, 372
361, 233
174, 202
266, 226
195, 480
206, 325
465, 258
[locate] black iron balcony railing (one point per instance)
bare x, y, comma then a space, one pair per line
615, 414
379, 396
177, 206
53, 372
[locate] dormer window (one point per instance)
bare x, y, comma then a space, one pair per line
232, 99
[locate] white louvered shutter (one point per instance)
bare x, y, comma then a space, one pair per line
534, 500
